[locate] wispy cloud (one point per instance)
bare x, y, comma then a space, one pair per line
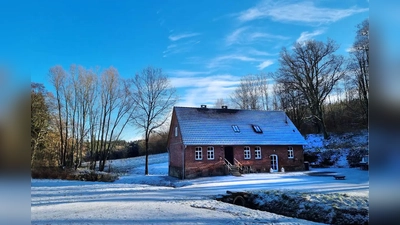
210, 88
248, 35
182, 36
256, 35
204, 81
304, 36
222, 61
351, 49
186, 73
179, 48
265, 64
287, 11
253, 51
234, 37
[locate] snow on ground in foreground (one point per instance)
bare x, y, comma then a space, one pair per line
160, 199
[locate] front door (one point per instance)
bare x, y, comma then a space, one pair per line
274, 162
229, 154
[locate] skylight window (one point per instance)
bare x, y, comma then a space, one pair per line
235, 128
257, 129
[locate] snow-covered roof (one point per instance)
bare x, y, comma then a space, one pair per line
210, 126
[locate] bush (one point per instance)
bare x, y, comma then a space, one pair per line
90, 175
50, 173
311, 157
69, 174
355, 155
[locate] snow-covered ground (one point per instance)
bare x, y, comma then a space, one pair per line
158, 199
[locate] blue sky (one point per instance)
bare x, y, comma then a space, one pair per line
203, 46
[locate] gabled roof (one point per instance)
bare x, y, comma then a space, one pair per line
208, 126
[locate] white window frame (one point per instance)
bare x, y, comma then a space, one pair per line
247, 152
290, 152
176, 131
257, 152
236, 128
210, 152
198, 153
257, 129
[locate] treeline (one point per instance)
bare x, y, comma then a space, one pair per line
320, 90
126, 149
84, 118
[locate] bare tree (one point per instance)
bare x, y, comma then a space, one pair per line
116, 112
246, 95
359, 65
312, 69
57, 77
219, 103
291, 101
154, 98
84, 83
252, 92
262, 80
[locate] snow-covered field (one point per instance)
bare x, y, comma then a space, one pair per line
159, 199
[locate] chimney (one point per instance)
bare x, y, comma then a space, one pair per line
224, 107
203, 106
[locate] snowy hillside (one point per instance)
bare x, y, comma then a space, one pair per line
343, 151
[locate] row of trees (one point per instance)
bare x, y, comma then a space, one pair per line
90, 109
308, 76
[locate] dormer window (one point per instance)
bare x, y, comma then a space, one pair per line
235, 128
257, 129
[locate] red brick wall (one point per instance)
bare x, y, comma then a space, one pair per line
206, 167
263, 164
175, 149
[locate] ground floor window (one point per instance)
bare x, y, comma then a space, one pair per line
290, 152
198, 154
257, 152
210, 152
247, 154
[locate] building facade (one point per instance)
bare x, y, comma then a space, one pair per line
207, 142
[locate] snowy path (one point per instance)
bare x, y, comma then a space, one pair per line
131, 201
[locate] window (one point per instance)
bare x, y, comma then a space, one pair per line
210, 152
176, 131
257, 152
235, 128
198, 154
290, 152
247, 154
257, 129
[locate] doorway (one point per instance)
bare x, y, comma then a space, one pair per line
229, 154
274, 162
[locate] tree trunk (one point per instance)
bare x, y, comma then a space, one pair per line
146, 169
322, 122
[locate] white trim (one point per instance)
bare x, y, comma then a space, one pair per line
290, 152
198, 153
276, 160
210, 149
247, 152
257, 149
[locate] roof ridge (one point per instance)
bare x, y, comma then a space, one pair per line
253, 110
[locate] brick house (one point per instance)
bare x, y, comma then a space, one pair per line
207, 142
